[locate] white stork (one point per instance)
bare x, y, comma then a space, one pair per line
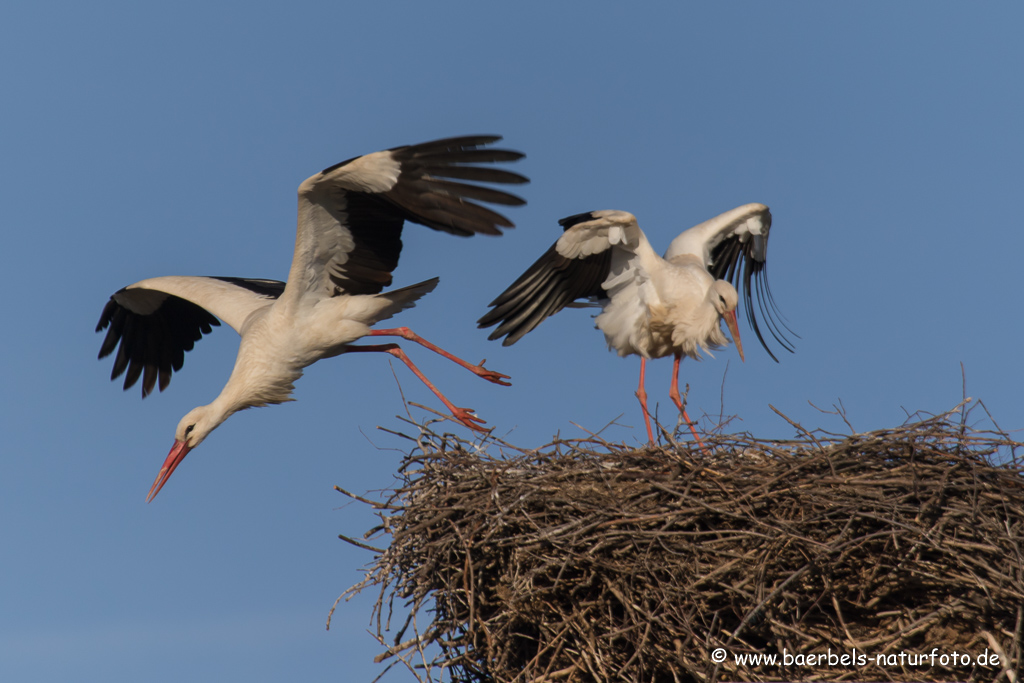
348, 242
652, 306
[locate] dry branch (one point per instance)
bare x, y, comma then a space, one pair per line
589, 561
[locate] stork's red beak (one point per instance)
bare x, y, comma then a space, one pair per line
174, 458
730, 320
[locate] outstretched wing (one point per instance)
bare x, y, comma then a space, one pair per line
154, 322
734, 247
351, 214
573, 268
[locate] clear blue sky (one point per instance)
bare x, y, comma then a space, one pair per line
142, 140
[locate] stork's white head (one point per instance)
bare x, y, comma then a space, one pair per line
197, 425
725, 298
191, 431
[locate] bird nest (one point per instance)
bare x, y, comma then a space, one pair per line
900, 549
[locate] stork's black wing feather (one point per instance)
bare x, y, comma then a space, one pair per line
548, 286
151, 330
742, 260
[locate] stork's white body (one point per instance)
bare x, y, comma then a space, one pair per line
348, 241
279, 337
658, 307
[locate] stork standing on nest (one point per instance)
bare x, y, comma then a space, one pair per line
348, 242
652, 306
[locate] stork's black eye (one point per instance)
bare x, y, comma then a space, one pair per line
188, 430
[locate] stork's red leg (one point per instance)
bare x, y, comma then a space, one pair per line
463, 415
641, 394
673, 393
479, 369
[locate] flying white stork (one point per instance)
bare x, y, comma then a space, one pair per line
349, 238
652, 306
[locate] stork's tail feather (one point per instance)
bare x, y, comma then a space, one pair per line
406, 297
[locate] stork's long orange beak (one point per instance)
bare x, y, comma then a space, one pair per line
730, 320
174, 458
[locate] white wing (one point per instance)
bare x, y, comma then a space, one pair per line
153, 323
734, 247
351, 214
576, 266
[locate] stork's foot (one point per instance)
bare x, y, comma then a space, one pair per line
693, 428
466, 417
479, 370
490, 375
642, 397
